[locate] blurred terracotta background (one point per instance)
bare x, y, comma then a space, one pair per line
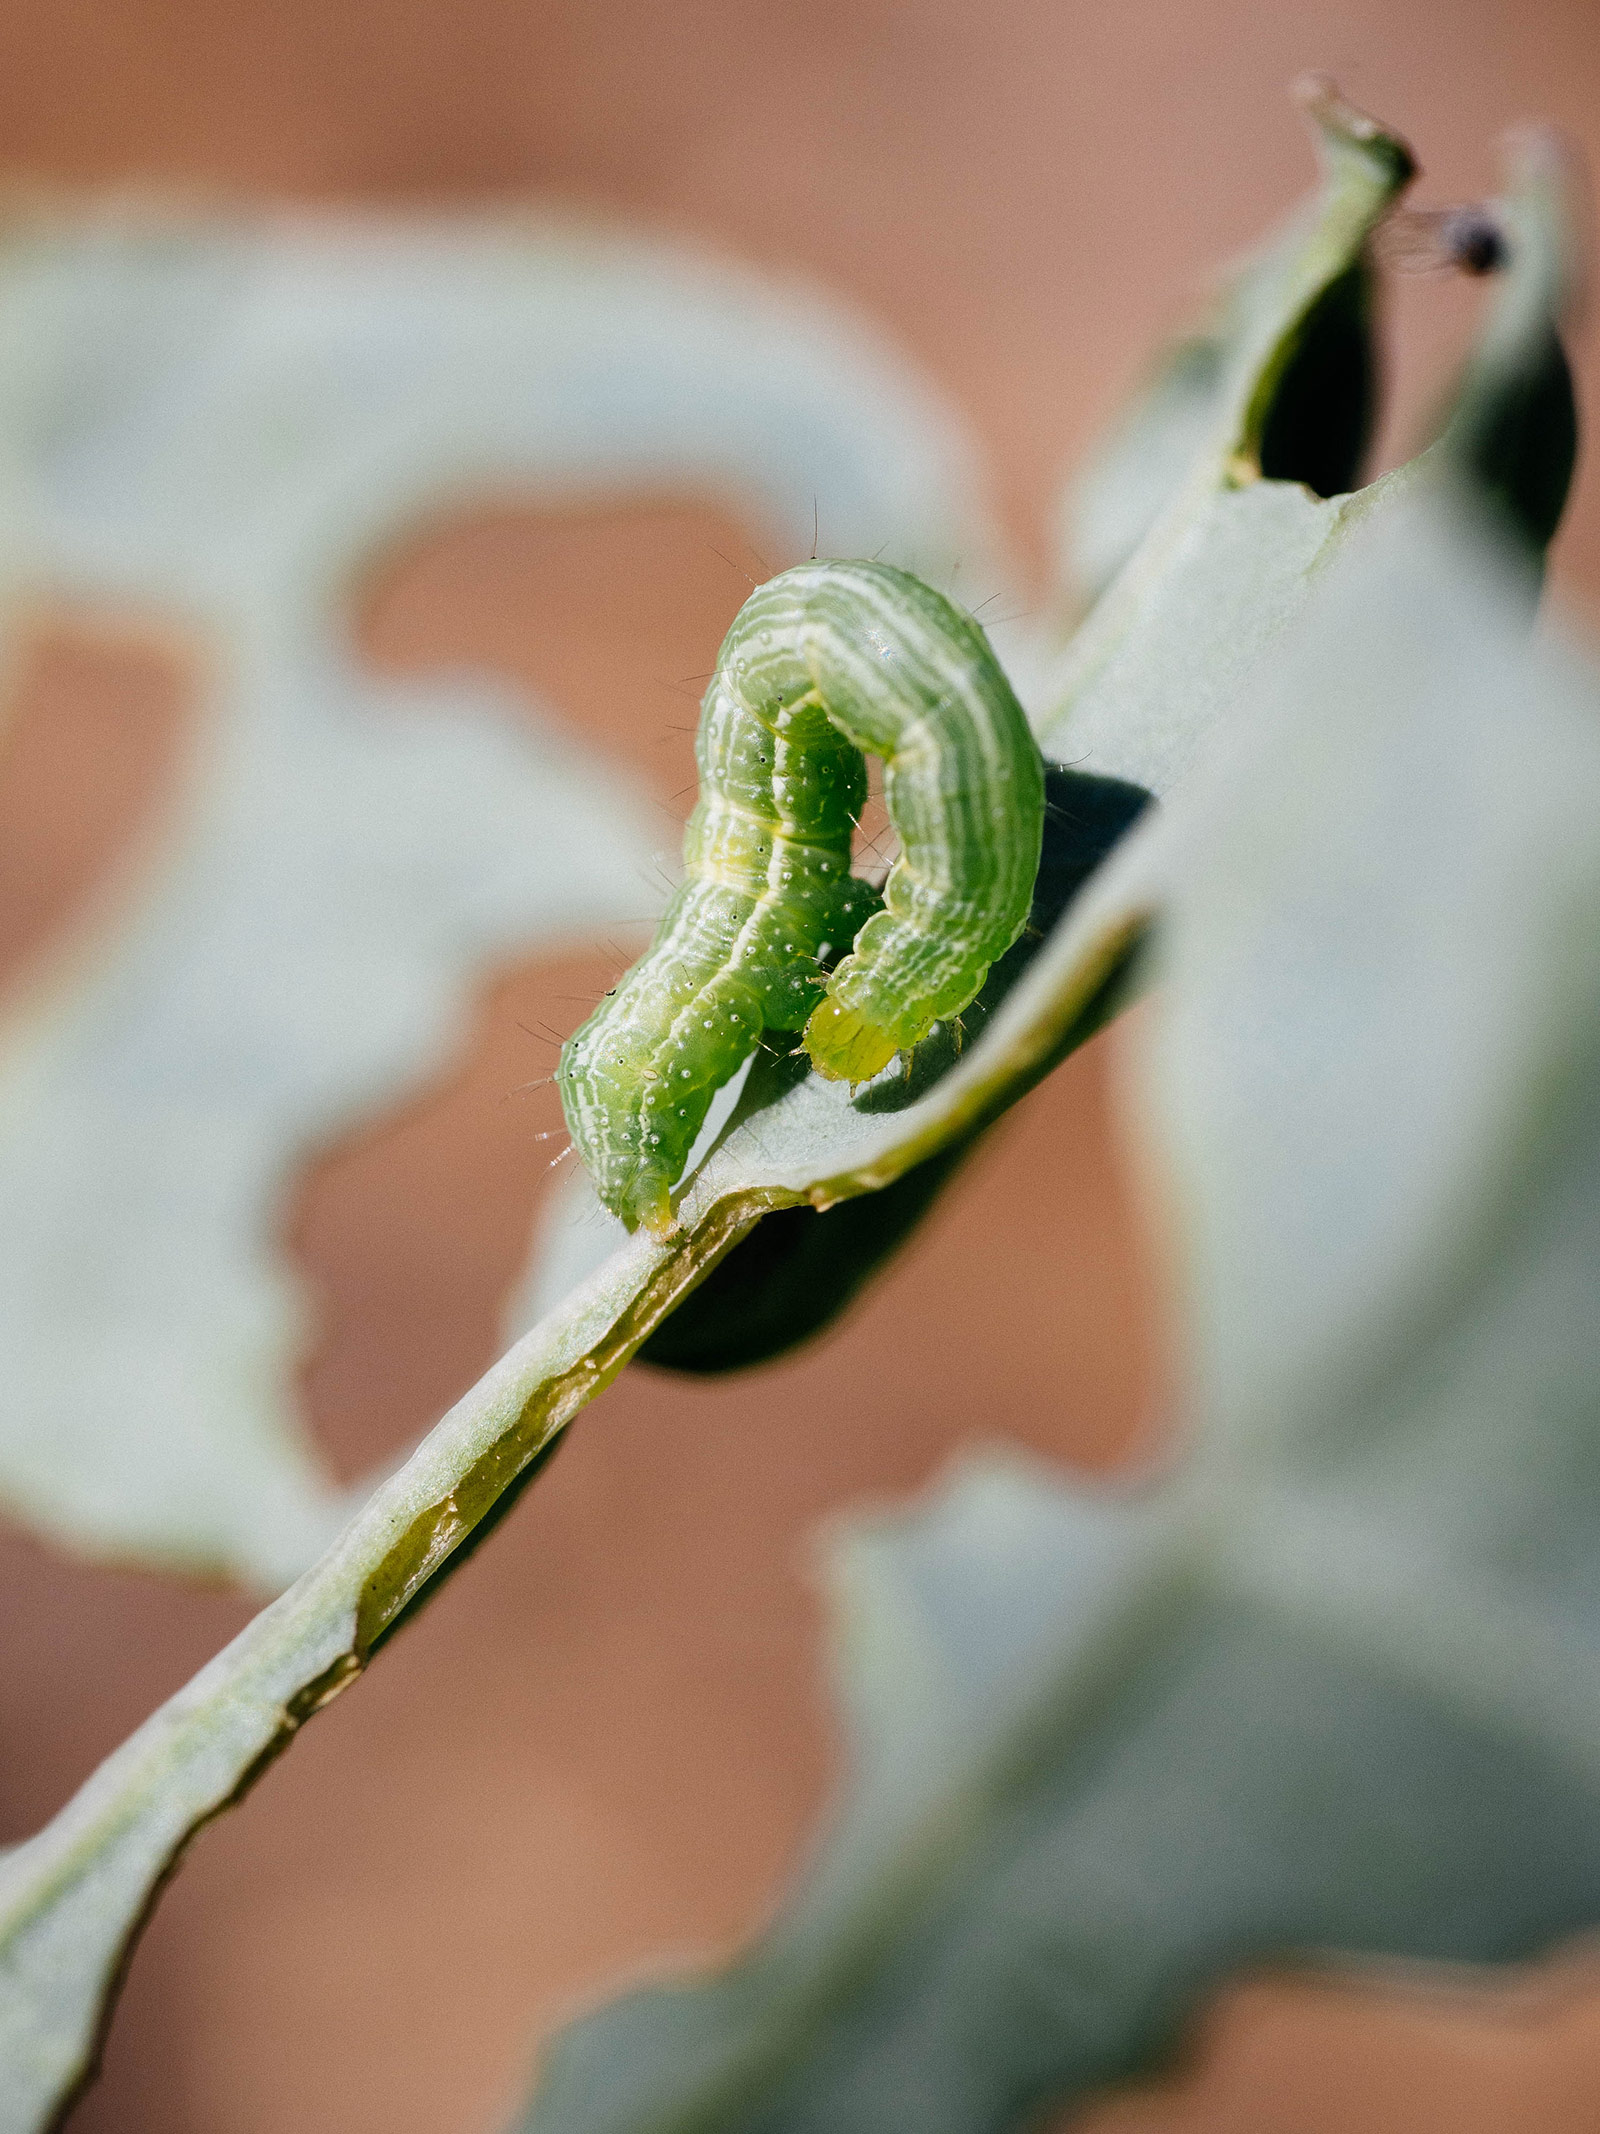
604, 1745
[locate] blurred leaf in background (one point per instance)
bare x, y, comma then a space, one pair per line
218, 424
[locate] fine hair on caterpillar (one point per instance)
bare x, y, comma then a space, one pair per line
770, 929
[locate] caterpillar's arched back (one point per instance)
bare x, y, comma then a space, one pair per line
823, 662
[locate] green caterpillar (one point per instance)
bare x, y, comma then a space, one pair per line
821, 663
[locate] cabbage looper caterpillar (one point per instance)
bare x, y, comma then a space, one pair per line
822, 662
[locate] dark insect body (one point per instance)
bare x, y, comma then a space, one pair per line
822, 663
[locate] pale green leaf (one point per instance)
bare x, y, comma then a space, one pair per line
1332, 1686
1134, 471
71, 1897
1231, 560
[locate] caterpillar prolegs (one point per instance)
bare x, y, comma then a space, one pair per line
822, 663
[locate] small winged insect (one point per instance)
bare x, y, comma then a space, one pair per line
1469, 239
771, 930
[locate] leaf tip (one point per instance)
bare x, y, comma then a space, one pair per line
1341, 125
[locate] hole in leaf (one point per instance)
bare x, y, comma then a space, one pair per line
89, 756
610, 617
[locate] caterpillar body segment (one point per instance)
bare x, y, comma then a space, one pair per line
823, 662
909, 678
